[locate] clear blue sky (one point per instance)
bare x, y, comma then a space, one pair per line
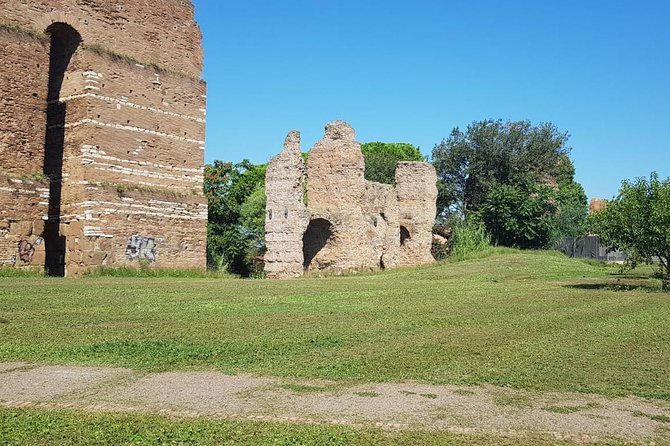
411, 71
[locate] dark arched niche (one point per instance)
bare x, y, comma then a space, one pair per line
318, 233
404, 235
64, 43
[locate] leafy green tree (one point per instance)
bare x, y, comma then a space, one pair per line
638, 222
572, 210
233, 231
381, 159
515, 177
252, 216
520, 214
491, 153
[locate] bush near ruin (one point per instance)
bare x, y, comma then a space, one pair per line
515, 178
637, 221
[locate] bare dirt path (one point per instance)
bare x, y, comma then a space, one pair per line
477, 410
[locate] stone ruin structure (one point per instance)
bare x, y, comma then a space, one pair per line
326, 216
102, 122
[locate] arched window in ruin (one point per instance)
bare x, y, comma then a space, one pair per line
64, 43
318, 234
404, 235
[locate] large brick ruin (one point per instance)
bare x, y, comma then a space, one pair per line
326, 216
102, 121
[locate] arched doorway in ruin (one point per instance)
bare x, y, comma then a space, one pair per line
405, 236
317, 236
64, 43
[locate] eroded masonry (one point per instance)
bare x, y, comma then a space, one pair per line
102, 121
324, 215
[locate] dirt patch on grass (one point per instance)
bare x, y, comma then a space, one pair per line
404, 406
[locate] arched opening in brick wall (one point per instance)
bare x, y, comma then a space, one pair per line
64, 43
404, 235
319, 233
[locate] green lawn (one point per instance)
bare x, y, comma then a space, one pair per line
53, 428
532, 320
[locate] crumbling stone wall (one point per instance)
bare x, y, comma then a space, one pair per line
102, 119
417, 197
286, 214
347, 223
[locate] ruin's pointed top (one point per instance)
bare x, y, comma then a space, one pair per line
340, 130
292, 141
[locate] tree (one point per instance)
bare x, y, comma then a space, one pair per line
499, 170
520, 215
235, 194
638, 222
491, 153
381, 159
252, 216
570, 219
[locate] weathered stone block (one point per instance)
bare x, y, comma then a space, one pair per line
38, 227
21, 228
97, 258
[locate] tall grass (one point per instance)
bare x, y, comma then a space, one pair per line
468, 240
145, 270
20, 272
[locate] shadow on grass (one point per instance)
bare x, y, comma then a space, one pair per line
616, 286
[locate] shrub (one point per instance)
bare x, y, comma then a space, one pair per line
468, 239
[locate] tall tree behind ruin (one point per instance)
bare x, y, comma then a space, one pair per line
235, 232
516, 176
381, 159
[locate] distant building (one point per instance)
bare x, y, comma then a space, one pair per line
597, 205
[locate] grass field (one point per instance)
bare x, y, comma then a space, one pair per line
32, 427
532, 320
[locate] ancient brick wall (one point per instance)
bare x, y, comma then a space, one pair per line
597, 205
25, 62
416, 188
335, 192
21, 236
349, 223
24, 193
160, 32
286, 216
114, 123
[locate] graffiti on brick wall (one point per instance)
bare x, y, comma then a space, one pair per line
141, 248
26, 251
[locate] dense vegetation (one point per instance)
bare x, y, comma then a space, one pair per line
638, 222
515, 178
236, 228
381, 159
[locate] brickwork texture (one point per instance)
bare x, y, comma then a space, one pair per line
102, 122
